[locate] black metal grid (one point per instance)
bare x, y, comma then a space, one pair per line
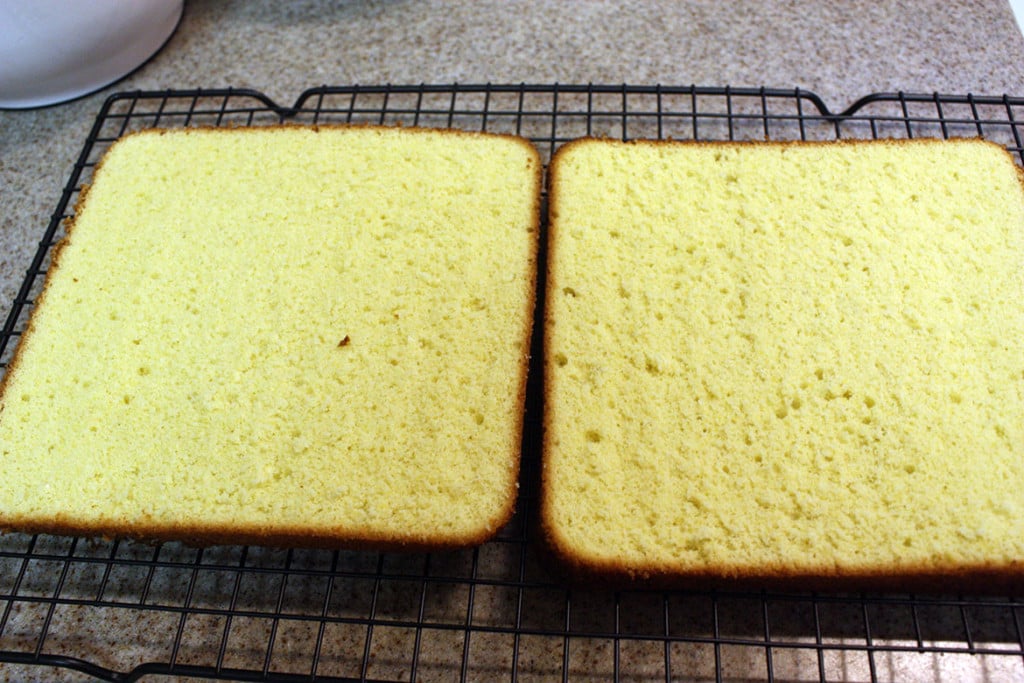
124, 610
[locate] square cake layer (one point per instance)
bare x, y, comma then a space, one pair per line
287, 335
797, 364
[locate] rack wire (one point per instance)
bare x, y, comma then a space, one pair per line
121, 611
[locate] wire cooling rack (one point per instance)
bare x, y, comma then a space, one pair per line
120, 611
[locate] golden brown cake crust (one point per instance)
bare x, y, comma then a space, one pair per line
573, 566
200, 534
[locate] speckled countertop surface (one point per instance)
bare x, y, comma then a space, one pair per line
840, 50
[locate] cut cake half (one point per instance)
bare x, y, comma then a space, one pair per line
795, 365
287, 335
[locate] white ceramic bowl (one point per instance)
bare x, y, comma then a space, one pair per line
56, 50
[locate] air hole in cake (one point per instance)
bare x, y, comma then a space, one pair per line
569, 291
955, 397
561, 360
593, 436
781, 412
796, 403
144, 370
869, 402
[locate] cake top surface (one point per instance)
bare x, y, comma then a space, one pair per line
292, 331
788, 359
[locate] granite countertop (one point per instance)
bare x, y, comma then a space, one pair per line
839, 50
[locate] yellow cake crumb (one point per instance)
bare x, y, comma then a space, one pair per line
785, 360
292, 335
